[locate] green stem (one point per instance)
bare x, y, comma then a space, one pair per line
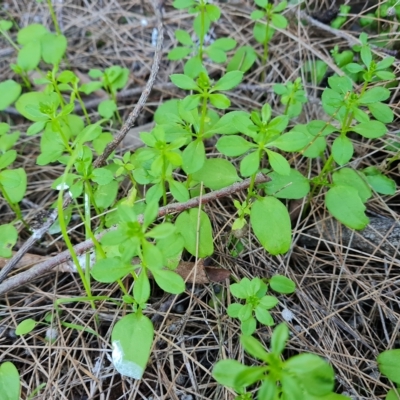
71, 249
202, 33
9, 40
78, 96
53, 17
15, 207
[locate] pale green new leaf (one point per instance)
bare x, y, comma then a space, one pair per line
345, 204
216, 173
195, 228
270, 222
131, 339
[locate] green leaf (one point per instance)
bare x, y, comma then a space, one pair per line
379, 182
107, 108
234, 309
393, 395
281, 284
7, 158
141, 288
90, 87
248, 327
291, 141
225, 372
25, 326
8, 238
268, 389
370, 129
193, 156
161, 231
342, 150
279, 338
271, 224
264, 317
279, 21
183, 37
227, 125
251, 376
228, 81
30, 33
194, 227
253, 347
10, 91
178, 53
268, 302
314, 373
105, 195
243, 59
241, 290
349, 177
278, 163
9, 381
250, 164
382, 112
374, 95
5, 25
102, 176
233, 145
213, 12
344, 203
131, 339
89, 133
389, 364
14, 184
219, 101
184, 82
216, 173
292, 186
152, 256
108, 270
31, 99
169, 281
29, 56
178, 190
53, 48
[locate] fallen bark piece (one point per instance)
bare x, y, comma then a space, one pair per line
381, 236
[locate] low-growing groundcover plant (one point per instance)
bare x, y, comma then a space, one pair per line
175, 168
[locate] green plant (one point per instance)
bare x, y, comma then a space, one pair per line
9, 381
264, 31
257, 302
305, 376
389, 365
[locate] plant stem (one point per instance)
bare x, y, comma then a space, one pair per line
53, 17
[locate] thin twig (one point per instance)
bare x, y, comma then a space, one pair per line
46, 266
100, 161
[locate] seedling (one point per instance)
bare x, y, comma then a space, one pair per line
257, 302
305, 376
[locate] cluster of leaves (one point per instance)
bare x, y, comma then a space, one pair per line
305, 376
257, 302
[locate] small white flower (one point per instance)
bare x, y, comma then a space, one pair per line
144, 22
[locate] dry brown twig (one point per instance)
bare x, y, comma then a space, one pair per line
40, 269
100, 161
